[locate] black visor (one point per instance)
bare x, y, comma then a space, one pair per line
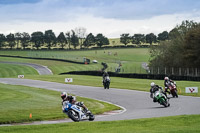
63, 96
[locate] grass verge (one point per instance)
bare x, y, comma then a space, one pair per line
17, 102
177, 124
8, 70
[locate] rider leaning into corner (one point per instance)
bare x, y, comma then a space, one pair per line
155, 88
167, 81
72, 100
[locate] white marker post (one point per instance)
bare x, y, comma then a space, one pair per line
68, 80
20, 76
191, 89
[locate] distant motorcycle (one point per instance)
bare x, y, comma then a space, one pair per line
106, 82
173, 89
77, 113
161, 98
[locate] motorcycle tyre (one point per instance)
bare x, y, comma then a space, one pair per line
163, 102
91, 117
176, 94
71, 116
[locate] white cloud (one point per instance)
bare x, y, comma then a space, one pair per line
62, 16
109, 27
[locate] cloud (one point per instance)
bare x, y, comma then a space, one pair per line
110, 17
10, 2
64, 10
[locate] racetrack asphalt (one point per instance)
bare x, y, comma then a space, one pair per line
42, 70
135, 104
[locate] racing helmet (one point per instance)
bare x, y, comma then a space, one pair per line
152, 84
166, 78
63, 95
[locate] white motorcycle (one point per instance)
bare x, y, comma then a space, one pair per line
77, 113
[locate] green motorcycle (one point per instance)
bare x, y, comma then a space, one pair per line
161, 98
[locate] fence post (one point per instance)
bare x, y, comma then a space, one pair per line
180, 71
165, 71
196, 72
158, 71
188, 72
172, 71
152, 70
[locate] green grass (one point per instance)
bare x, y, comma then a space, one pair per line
8, 70
131, 59
17, 102
177, 124
117, 82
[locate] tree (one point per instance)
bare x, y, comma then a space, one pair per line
191, 45
138, 39
49, 38
18, 38
101, 40
74, 39
180, 30
61, 39
11, 40
81, 33
68, 34
89, 41
150, 38
2, 40
181, 50
163, 36
37, 38
125, 39
25, 39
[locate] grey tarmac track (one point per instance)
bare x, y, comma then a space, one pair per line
136, 104
42, 70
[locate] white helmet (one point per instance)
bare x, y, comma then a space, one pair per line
166, 78
63, 95
152, 84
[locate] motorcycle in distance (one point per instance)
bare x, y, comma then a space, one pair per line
161, 98
106, 82
77, 113
173, 89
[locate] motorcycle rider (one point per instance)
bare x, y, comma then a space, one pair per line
105, 66
155, 88
105, 74
167, 82
72, 100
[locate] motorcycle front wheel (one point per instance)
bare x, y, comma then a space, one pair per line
163, 102
73, 115
91, 117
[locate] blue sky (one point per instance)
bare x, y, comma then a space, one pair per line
110, 17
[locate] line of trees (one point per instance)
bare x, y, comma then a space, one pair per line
141, 38
73, 38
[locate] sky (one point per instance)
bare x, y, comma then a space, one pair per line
109, 17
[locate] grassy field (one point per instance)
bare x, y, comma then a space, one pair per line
117, 82
177, 124
17, 102
55, 66
8, 70
130, 58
